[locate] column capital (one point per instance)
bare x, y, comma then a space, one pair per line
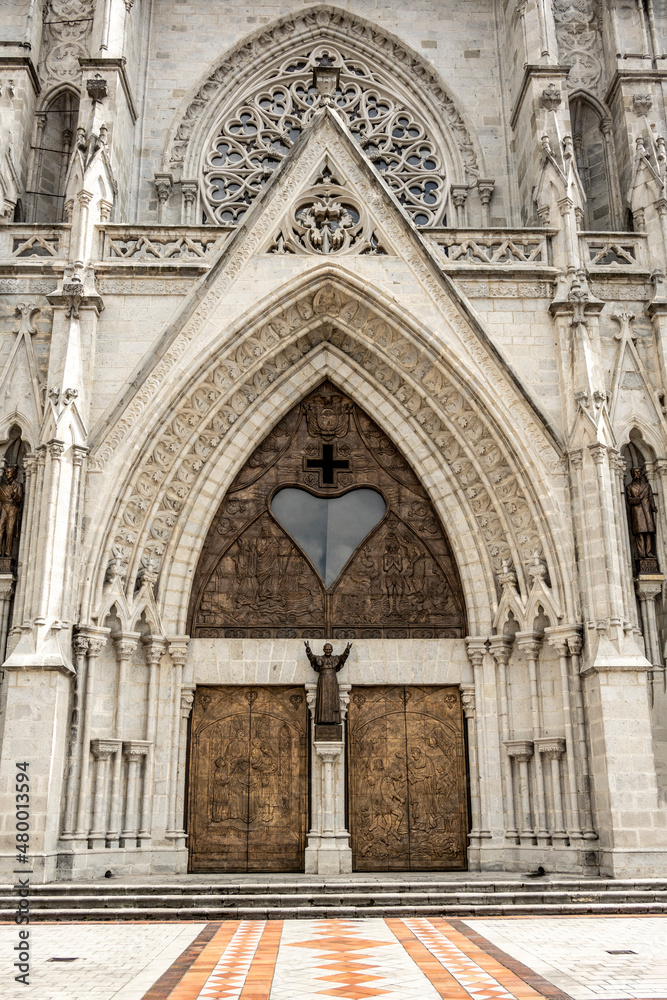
468, 700
529, 643
476, 647
558, 636
187, 700
125, 643
500, 647
329, 752
178, 648
136, 749
103, 749
598, 451
649, 587
551, 747
154, 649
95, 636
521, 750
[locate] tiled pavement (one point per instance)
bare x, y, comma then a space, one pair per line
521, 958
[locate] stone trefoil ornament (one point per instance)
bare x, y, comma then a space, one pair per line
643, 508
327, 704
327, 220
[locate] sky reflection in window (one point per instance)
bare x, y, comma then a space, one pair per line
328, 529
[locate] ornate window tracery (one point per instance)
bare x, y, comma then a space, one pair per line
260, 127
326, 533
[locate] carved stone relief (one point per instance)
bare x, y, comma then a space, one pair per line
450, 417
327, 220
67, 29
580, 43
254, 579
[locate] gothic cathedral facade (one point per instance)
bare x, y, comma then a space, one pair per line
333, 419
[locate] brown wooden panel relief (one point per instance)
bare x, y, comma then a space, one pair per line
326, 533
248, 779
406, 760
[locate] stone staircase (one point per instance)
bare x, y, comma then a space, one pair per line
258, 897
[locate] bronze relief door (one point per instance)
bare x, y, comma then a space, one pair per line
248, 779
407, 779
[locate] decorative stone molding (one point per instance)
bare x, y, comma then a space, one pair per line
103, 749
552, 97
444, 410
374, 68
26, 311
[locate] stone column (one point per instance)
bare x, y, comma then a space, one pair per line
80, 644
189, 190
558, 637
30, 472
500, 647
153, 651
328, 851
476, 651
553, 749
102, 750
529, 644
468, 702
574, 645
6, 591
96, 642
133, 751
522, 751
125, 644
178, 650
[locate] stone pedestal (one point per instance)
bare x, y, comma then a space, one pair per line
328, 851
35, 713
629, 820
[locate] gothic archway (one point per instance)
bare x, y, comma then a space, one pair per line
326, 532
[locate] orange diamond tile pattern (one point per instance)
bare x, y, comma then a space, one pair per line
394, 959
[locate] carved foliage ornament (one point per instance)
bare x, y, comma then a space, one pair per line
327, 220
580, 42
261, 125
67, 29
254, 579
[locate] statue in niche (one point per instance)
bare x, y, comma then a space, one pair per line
327, 703
11, 501
641, 502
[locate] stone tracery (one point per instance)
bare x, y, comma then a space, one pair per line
262, 125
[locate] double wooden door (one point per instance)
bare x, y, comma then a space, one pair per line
248, 779
407, 784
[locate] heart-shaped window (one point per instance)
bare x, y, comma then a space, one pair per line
328, 529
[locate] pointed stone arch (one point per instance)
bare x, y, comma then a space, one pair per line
320, 24
475, 467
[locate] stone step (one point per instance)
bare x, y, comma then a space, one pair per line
357, 899
109, 887
197, 913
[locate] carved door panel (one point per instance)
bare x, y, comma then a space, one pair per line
406, 758
248, 779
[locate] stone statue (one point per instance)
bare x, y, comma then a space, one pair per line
327, 704
11, 499
639, 496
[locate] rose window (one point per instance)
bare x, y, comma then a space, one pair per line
263, 125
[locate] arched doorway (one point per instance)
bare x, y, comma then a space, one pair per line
326, 532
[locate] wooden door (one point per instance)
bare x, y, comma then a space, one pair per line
248, 779
406, 760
